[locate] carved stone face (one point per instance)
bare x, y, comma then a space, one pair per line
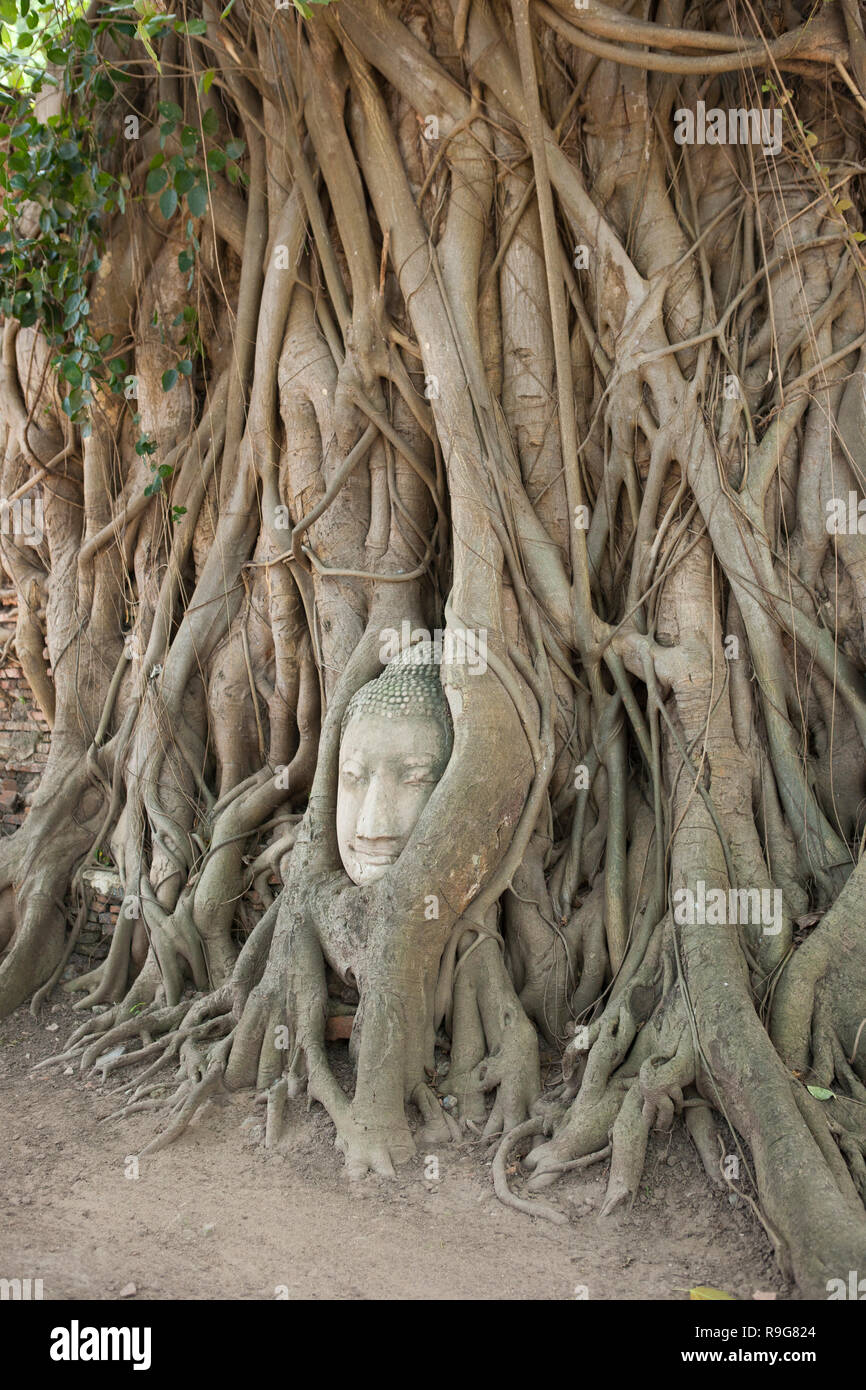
388, 769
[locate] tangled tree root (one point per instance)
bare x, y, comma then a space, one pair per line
582, 486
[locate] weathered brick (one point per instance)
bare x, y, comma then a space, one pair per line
338, 1026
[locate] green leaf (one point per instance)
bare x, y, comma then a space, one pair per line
72, 372
216, 160
73, 402
185, 367
165, 470
185, 261
192, 26
168, 379
81, 34
103, 87
196, 200
170, 110
210, 122
168, 203
235, 148
184, 180
206, 80
821, 1093
8, 11
156, 180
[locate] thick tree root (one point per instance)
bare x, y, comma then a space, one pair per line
528, 1129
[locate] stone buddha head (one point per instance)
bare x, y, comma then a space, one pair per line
395, 744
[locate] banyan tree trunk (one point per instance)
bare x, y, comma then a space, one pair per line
538, 331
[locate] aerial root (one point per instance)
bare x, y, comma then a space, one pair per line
853, 1150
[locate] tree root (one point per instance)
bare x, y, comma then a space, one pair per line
188, 1105
515, 1136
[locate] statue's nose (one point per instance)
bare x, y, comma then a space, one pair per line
376, 818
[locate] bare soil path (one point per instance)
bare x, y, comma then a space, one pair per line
217, 1216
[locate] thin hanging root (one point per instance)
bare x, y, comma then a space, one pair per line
210, 1083
500, 1178
853, 1150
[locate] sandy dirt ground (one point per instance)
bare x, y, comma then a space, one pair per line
216, 1216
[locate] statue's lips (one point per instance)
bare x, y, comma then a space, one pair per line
375, 856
